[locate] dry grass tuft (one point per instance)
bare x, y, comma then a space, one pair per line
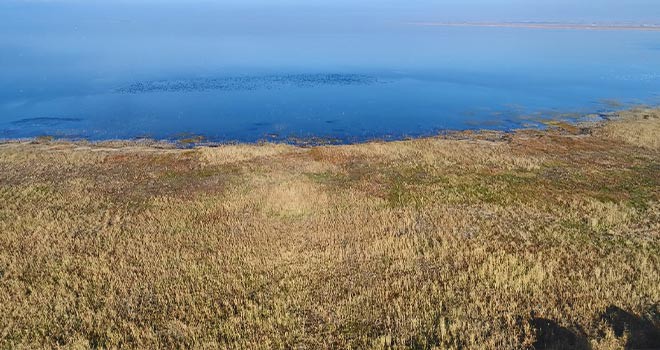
241, 153
537, 239
639, 127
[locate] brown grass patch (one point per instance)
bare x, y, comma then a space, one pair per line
639, 127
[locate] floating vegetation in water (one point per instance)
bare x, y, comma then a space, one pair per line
612, 103
188, 139
310, 141
248, 83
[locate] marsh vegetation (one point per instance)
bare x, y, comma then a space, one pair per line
545, 239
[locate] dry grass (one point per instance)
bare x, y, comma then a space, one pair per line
639, 127
535, 239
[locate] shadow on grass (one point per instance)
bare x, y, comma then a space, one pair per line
640, 332
551, 335
643, 332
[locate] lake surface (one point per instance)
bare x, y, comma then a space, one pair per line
122, 73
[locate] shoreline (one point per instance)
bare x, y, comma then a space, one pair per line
194, 141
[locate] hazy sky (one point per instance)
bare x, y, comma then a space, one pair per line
101, 36
511, 10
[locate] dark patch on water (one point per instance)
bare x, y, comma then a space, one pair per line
144, 137
45, 121
7, 133
248, 83
261, 124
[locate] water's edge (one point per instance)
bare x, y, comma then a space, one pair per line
584, 122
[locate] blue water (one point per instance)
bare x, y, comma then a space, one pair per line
95, 72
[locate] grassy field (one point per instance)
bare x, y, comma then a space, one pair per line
483, 240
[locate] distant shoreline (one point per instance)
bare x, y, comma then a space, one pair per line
566, 26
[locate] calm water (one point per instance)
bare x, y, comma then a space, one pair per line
248, 74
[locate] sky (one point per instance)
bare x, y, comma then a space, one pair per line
641, 11
210, 17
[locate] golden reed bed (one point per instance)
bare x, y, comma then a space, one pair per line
545, 239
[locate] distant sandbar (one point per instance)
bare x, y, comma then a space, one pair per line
569, 26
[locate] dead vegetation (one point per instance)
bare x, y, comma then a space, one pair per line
639, 127
544, 239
